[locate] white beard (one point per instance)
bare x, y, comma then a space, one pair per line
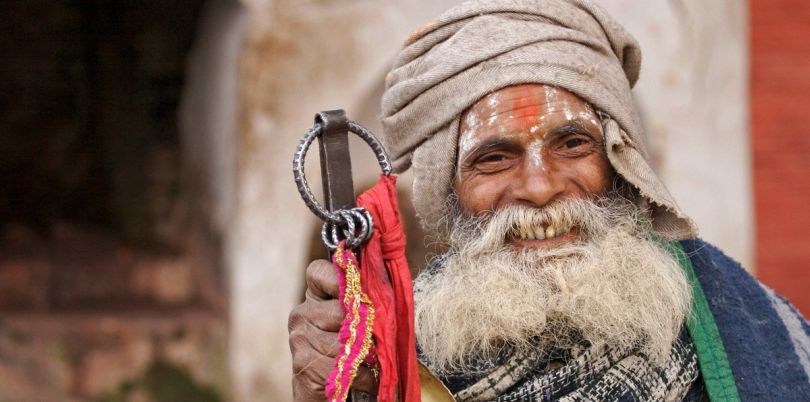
613, 287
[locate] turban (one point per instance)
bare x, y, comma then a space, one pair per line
481, 46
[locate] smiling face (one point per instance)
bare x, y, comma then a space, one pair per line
533, 145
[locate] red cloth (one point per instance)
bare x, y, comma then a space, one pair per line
386, 278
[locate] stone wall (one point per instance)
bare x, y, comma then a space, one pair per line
135, 356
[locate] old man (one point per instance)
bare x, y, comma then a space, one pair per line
569, 272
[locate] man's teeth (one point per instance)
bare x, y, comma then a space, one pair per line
524, 232
539, 232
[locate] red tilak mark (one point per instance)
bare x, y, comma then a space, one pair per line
527, 103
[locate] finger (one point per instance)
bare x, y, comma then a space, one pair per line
306, 340
310, 372
325, 315
326, 343
312, 365
311, 377
323, 342
365, 381
322, 280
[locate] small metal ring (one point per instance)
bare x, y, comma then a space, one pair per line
332, 241
366, 223
363, 217
300, 156
348, 228
349, 220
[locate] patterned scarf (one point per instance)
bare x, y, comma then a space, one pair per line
589, 374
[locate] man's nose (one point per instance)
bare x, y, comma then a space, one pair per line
537, 185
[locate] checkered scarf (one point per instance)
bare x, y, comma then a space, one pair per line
589, 374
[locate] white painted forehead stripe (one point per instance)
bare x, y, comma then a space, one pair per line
474, 121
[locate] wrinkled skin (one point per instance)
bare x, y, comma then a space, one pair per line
529, 144
313, 327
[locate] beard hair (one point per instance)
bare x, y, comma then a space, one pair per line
613, 287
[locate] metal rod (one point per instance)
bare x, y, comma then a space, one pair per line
336, 173
336, 162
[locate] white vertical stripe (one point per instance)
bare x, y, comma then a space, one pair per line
793, 323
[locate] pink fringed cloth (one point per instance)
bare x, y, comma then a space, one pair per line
356, 328
377, 302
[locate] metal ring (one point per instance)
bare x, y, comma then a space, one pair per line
349, 219
348, 228
363, 217
300, 156
331, 243
366, 223
376, 146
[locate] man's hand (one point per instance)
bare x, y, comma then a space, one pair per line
314, 326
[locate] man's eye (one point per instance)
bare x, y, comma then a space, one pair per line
491, 163
491, 158
574, 146
574, 142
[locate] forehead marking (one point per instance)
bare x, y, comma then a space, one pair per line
528, 105
529, 101
535, 152
493, 99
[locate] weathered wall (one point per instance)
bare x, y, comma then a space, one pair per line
694, 103
178, 355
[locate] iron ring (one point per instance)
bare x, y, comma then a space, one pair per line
300, 156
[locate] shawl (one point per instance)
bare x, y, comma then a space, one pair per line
592, 374
766, 340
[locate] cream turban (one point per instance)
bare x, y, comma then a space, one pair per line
481, 46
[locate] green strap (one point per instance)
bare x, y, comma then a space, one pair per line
711, 354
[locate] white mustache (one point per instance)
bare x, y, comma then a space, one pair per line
492, 230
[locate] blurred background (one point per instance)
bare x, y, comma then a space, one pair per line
152, 242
